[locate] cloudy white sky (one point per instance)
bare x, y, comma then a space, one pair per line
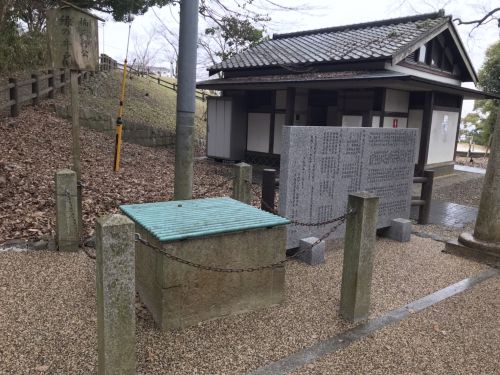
321, 13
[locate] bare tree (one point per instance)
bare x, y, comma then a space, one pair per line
144, 51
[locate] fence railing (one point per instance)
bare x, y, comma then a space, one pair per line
30, 90
46, 83
169, 85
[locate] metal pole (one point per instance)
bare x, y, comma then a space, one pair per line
186, 97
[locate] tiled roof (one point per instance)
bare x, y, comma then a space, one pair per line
358, 42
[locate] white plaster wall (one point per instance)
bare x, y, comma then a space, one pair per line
415, 117
402, 122
258, 132
396, 101
443, 136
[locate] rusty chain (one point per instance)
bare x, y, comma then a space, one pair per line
338, 222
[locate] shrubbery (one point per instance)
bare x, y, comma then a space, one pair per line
22, 50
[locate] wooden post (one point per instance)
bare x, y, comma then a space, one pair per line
51, 84
360, 234
424, 211
242, 182
75, 133
14, 97
268, 190
62, 85
115, 281
35, 88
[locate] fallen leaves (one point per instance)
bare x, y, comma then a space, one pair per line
36, 144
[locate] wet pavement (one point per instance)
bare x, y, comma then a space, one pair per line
449, 214
464, 168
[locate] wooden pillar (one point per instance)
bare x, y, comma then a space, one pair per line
75, 133
51, 84
290, 106
271, 127
14, 97
268, 190
425, 131
35, 88
62, 84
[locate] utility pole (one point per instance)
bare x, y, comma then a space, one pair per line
186, 98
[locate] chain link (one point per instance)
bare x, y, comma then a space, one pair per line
338, 222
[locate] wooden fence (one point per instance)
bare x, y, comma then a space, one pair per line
40, 85
46, 84
201, 95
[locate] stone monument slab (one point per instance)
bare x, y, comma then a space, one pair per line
320, 166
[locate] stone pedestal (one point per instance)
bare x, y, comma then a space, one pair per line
115, 274
310, 252
359, 245
242, 182
67, 235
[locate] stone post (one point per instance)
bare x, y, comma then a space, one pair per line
67, 237
115, 279
242, 182
359, 241
484, 244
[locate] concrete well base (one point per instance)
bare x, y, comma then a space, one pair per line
180, 296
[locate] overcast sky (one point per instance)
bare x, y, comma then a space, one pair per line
322, 13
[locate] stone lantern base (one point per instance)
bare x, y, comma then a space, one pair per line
470, 247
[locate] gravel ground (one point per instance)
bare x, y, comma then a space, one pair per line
47, 312
479, 162
457, 336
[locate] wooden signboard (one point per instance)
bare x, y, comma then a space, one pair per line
73, 38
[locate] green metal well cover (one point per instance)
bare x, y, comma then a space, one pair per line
178, 220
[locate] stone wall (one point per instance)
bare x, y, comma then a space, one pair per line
132, 132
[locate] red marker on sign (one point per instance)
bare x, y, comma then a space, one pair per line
394, 122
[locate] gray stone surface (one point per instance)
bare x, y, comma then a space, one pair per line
400, 230
312, 255
358, 256
320, 166
66, 210
179, 296
242, 182
115, 279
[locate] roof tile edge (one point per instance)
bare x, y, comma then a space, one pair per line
390, 21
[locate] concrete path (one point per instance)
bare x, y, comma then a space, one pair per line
449, 214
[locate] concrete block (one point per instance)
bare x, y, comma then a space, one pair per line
400, 230
115, 279
179, 296
321, 165
312, 255
67, 236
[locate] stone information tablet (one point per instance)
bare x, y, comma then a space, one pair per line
320, 166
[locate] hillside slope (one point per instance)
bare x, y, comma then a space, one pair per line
146, 102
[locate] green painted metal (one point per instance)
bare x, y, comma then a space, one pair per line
179, 220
